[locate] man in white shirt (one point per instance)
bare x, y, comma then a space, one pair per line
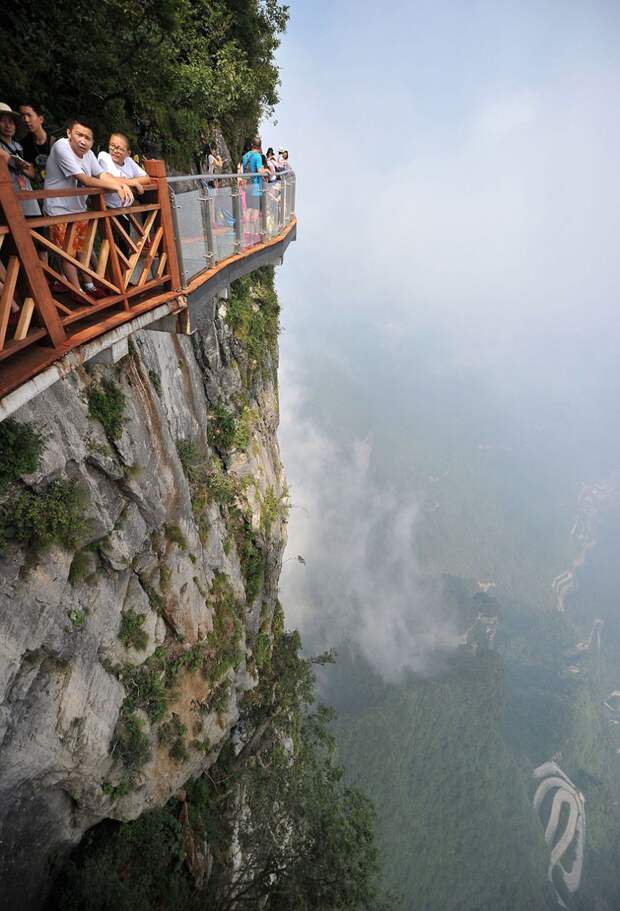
118, 162
71, 163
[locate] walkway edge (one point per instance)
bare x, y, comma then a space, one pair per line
79, 356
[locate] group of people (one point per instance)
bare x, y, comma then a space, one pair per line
268, 168
70, 163
271, 164
66, 164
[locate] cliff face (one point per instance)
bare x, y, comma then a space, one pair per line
124, 654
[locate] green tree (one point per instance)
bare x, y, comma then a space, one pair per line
165, 71
304, 839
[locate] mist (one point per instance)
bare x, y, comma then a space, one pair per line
359, 580
448, 373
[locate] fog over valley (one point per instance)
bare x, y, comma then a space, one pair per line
454, 288
449, 389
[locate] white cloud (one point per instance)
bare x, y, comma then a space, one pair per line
502, 117
361, 581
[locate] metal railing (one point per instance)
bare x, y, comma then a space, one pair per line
220, 215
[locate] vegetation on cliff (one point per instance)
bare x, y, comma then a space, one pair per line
34, 518
272, 824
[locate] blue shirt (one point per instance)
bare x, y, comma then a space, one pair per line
252, 163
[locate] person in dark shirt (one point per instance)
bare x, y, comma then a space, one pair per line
37, 143
21, 171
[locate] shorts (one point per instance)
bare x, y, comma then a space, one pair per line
252, 202
58, 233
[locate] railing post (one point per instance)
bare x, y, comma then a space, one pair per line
263, 211
156, 170
31, 264
175, 207
235, 195
207, 225
282, 203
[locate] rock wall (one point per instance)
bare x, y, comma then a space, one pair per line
183, 541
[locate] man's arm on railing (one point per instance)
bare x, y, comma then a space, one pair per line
137, 183
107, 182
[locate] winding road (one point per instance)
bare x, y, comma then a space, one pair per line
553, 778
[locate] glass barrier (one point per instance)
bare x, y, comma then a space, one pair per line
216, 217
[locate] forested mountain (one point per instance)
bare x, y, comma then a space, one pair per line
448, 760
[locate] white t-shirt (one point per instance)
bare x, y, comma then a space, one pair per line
61, 165
129, 169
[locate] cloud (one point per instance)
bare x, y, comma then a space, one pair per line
361, 581
455, 280
505, 116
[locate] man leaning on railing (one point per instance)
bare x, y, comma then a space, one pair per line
118, 162
72, 162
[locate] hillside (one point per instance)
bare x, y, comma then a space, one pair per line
448, 761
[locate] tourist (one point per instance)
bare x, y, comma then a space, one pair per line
71, 163
20, 170
283, 163
118, 162
252, 163
213, 163
271, 165
37, 142
210, 164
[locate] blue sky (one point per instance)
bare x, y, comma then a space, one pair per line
459, 215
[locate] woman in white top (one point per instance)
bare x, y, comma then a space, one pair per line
212, 162
271, 165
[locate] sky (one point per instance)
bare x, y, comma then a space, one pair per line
448, 375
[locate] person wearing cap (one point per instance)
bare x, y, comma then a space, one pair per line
20, 170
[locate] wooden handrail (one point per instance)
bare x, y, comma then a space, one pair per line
30, 268
30, 271
157, 170
79, 191
38, 221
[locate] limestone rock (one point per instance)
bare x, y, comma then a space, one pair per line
64, 672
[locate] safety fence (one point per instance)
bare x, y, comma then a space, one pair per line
223, 215
131, 259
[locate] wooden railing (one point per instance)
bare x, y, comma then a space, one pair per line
131, 255
126, 261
